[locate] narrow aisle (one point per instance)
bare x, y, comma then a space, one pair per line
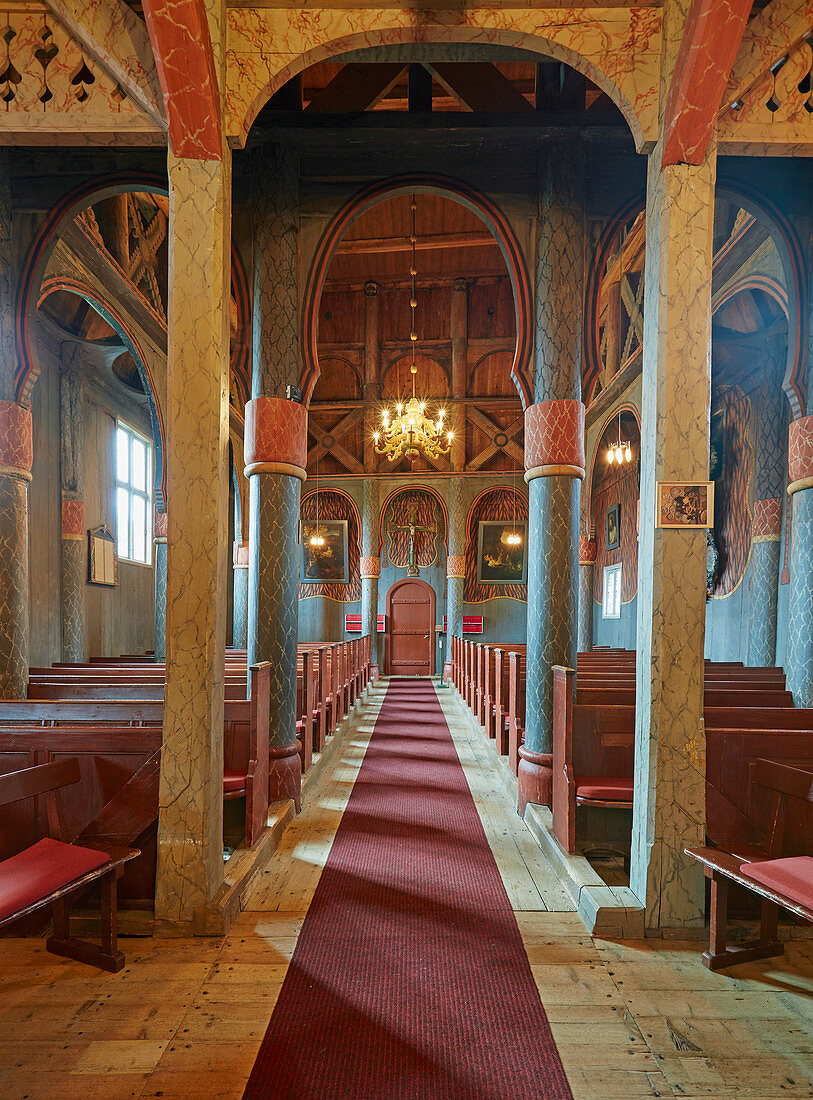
409, 977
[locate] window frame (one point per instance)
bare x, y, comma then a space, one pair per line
129, 487
610, 573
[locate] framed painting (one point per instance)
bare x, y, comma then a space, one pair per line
684, 504
613, 527
102, 558
499, 559
325, 562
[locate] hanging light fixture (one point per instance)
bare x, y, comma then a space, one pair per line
620, 451
408, 430
317, 538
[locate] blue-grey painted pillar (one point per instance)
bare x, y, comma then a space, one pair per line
766, 529
240, 600
800, 601
370, 569
275, 455
159, 543
554, 458
71, 472
455, 569
587, 571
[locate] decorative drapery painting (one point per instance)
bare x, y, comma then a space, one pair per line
333, 506
734, 466
501, 503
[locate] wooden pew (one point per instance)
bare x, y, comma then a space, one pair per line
55, 871
516, 707
779, 883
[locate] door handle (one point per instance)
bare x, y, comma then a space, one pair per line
426, 635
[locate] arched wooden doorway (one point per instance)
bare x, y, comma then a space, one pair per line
410, 638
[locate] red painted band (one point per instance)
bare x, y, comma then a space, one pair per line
240, 554
554, 434
370, 567
767, 521
73, 518
800, 449
159, 525
276, 430
16, 436
456, 565
587, 550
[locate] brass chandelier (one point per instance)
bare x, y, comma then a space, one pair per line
408, 431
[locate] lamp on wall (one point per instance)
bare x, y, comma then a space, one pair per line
408, 430
620, 451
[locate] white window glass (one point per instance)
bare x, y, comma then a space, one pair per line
123, 521
133, 498
123, 454
611, 604
139, 465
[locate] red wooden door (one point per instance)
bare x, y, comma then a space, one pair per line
410, 629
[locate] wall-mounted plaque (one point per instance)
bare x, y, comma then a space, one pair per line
102, 560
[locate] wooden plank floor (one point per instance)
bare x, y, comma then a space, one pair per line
186, 1017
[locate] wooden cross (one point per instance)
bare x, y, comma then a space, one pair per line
413, 528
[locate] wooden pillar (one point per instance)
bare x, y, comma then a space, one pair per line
16, 459
372, 372
670, 758
460, 371
190, 813
71, 472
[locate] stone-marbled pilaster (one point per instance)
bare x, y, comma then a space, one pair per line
240, 606
16, 459
190, 815
769, 487
275, 458
587, 569
71, 469
554, 457
159, 545
800, 598
670, 759
455, 567
370, 567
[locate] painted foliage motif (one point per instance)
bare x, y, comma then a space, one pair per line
412, 527
501, 559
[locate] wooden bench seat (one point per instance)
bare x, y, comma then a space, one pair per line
785, 883
52, 872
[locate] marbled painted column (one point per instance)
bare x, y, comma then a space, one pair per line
670, 757
240, 612
16, 459
800, 601
455, 569
370, 569
190, 810
587, 569
159, 543
554, 458
276, 454
766, 531
71, 471
769, 487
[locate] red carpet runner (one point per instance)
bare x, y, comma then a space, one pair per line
409, 979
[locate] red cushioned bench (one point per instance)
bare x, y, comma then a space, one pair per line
53, 873
785, 883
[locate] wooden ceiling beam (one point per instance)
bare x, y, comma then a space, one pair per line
343, 428
355, 88
426, 243
479, 87
711, 39
182, 44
